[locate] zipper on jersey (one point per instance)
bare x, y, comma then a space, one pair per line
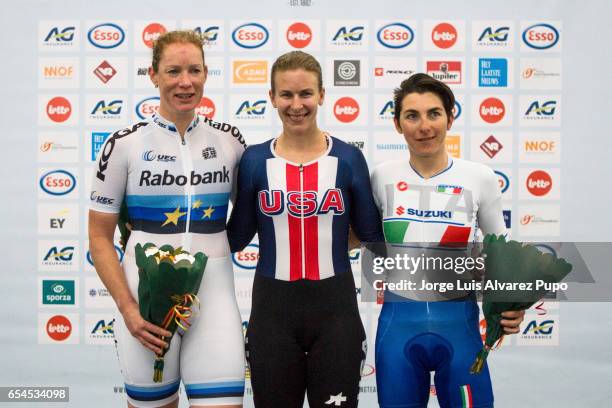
187, 169
301, 169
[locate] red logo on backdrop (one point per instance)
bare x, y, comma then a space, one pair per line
491, 146
152, 33
206, 108
526, 219
59, 109
444, 35
346, 109
299, 35
59, 328
105, 71
492, 110
379, 71
539, 183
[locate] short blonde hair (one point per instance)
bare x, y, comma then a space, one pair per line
297, 60
171, 37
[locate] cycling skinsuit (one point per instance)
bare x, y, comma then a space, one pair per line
415, 337
305, 332
177, 193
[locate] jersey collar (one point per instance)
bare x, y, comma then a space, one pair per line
449, 164
170, 127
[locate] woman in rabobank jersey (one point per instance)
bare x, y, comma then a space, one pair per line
433, 200
300, 191
175, 171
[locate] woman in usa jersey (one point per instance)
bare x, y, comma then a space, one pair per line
300, 192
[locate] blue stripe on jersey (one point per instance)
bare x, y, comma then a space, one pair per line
344, 178
266, 233
151, 393
215, 390
166, 201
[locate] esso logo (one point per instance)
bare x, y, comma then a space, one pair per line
346, 109
367, 370
492, 110
503, 180
395, 35
299, 35
457, 110
206, 108
106, 36
247, 258
57, 182
444, 35
151, 33
251, 35
147, 107
59, 109
539, 183
59, 328
541, 36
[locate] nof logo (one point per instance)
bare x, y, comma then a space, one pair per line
543, 146
206, 108
258, 108
346, 109
444, 35
547, 109
247, 258
209, 34
151, 33
503, 180
250, 35
395, 35
106, 35
539, 183
540, 36
105, 71
65, 35
147, 107
58, 71
299, 35
57, 182
492, 110
113, 108
491, 146
59, 328
59, 109
354, 34
499, 35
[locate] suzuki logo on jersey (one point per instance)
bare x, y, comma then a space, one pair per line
209, 34
491, 146
299, 35
258, 108
206, 108
301, 204
540, 36
102, 109
147, 178
147, 107
57, 182
444, 35
150, 155
346, 109
107, 35
492, 110
545, 111
343, 35
63, 37
428, 213
498, 36
250, 35
395, 35
151, 33
105, 71
539, 183
59, 109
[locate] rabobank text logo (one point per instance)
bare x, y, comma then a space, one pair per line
147, 107
395, 35
541, 36
57, 182
247, 258
250, 35
106, 35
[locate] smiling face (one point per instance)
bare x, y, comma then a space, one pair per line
297, 97
180, 76
423, 122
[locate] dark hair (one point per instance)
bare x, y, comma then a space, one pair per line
422, 83
171, 37
297, 60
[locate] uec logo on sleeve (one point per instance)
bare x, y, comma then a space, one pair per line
57, 182
541, 36
395, 35
106, 35
250, 35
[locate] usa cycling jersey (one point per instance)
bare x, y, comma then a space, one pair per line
302, 212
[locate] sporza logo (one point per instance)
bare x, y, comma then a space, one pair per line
150, 155
58, 292
106, 35
57, 182
250, 35
395, 35
540, 36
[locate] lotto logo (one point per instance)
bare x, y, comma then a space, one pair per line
346, 109
206, 108
444, 35
492, 110
539, 183
299, 35
59, 109
151, 33
59, 328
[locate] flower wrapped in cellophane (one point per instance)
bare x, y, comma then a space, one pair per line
168, 287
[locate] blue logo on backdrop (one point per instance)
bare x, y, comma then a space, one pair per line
250, 35
457, 110
258, 108
118, 250
508, 218
113, 108
499, 35
355, 34
97, 141
395, 35
106, 35
492, 72
66, 35
210, 33
540, 36
57, 182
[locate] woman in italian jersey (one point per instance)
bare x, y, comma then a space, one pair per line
427, 199
300, 192
175, 173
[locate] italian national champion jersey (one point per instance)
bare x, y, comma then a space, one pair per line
302, 212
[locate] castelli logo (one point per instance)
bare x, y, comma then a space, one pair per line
346, 109
59, 328
151, 33
402, 186
526, 219
492, 110
299, 35
206, 108
444, 35
539, 183
59, 109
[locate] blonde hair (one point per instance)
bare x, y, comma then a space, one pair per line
171, 37
297, 60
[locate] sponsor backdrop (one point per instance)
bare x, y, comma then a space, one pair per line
75, 75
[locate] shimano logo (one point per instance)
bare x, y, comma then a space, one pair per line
147, 178
150, 155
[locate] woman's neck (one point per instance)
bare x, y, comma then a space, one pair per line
301, 148
429, 166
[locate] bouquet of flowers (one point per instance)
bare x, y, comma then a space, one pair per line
508, 264
168, 287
